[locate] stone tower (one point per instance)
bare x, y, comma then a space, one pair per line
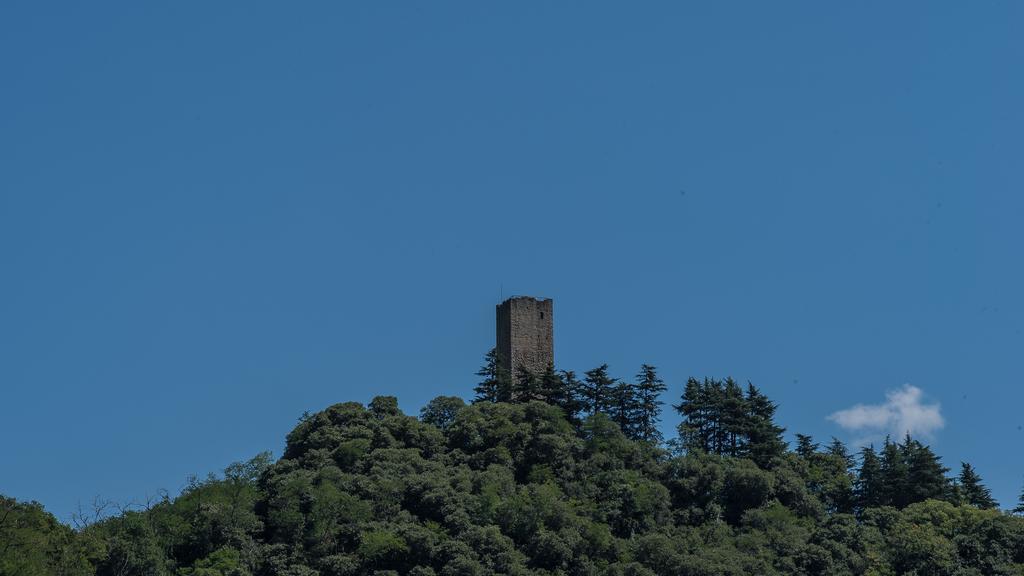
525, 334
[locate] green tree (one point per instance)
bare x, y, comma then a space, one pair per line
764, 437
34, 543
623, 407
869, 489
972, 490
806, 447
697, 430
441, 411
1019, 509
597, 391
514, 488
735, 420
527, 386
926, 476
649, 388
719, 419
895, 475
382, 549
496, 383
556, 390
838, 449
574, 396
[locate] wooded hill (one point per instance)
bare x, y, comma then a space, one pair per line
542, 475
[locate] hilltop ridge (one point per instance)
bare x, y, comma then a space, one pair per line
520, 488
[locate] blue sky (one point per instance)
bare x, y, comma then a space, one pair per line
215, 216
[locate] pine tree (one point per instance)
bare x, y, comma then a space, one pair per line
836, 480
574, 392
894, 475
838, 449
806, 447
719, 419
869, 489
1019, 510
648, 390
734, 416
696, 430
623, 406
597, 390
527, 386
926, 476
553, 390
764, 437
496, 385
972, 491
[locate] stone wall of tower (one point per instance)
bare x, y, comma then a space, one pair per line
525, 334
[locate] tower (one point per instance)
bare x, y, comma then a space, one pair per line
525, 334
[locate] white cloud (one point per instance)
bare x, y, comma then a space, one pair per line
904, 412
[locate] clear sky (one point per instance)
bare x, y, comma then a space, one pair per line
217, 215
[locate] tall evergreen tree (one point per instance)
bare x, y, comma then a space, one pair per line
926, 476
574, 391
527, 386
838, 449
1019, 509
648, 392
972, 491
597, 390
806, 447
734, 420
554, 391
894, 475
764, 437
496, 385
869, 490
623, 407
696, 431
836, 478
719, 419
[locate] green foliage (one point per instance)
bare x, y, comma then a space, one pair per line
718, 418
649, 388
223, 562
441, 411
597, 391
869, 490
528, 489
972, 491
1019, 508
496, 383
33, 543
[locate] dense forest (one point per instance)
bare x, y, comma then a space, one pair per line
545, 474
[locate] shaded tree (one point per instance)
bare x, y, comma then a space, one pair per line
719, 419
648, 404
623, 407
972, 491
764, 437
527, 386
926, 476
1019, 508
496, 383
806, 447
894, 475
558, 390
838, 449
574, 396
597, 391
869, 490
441, 411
